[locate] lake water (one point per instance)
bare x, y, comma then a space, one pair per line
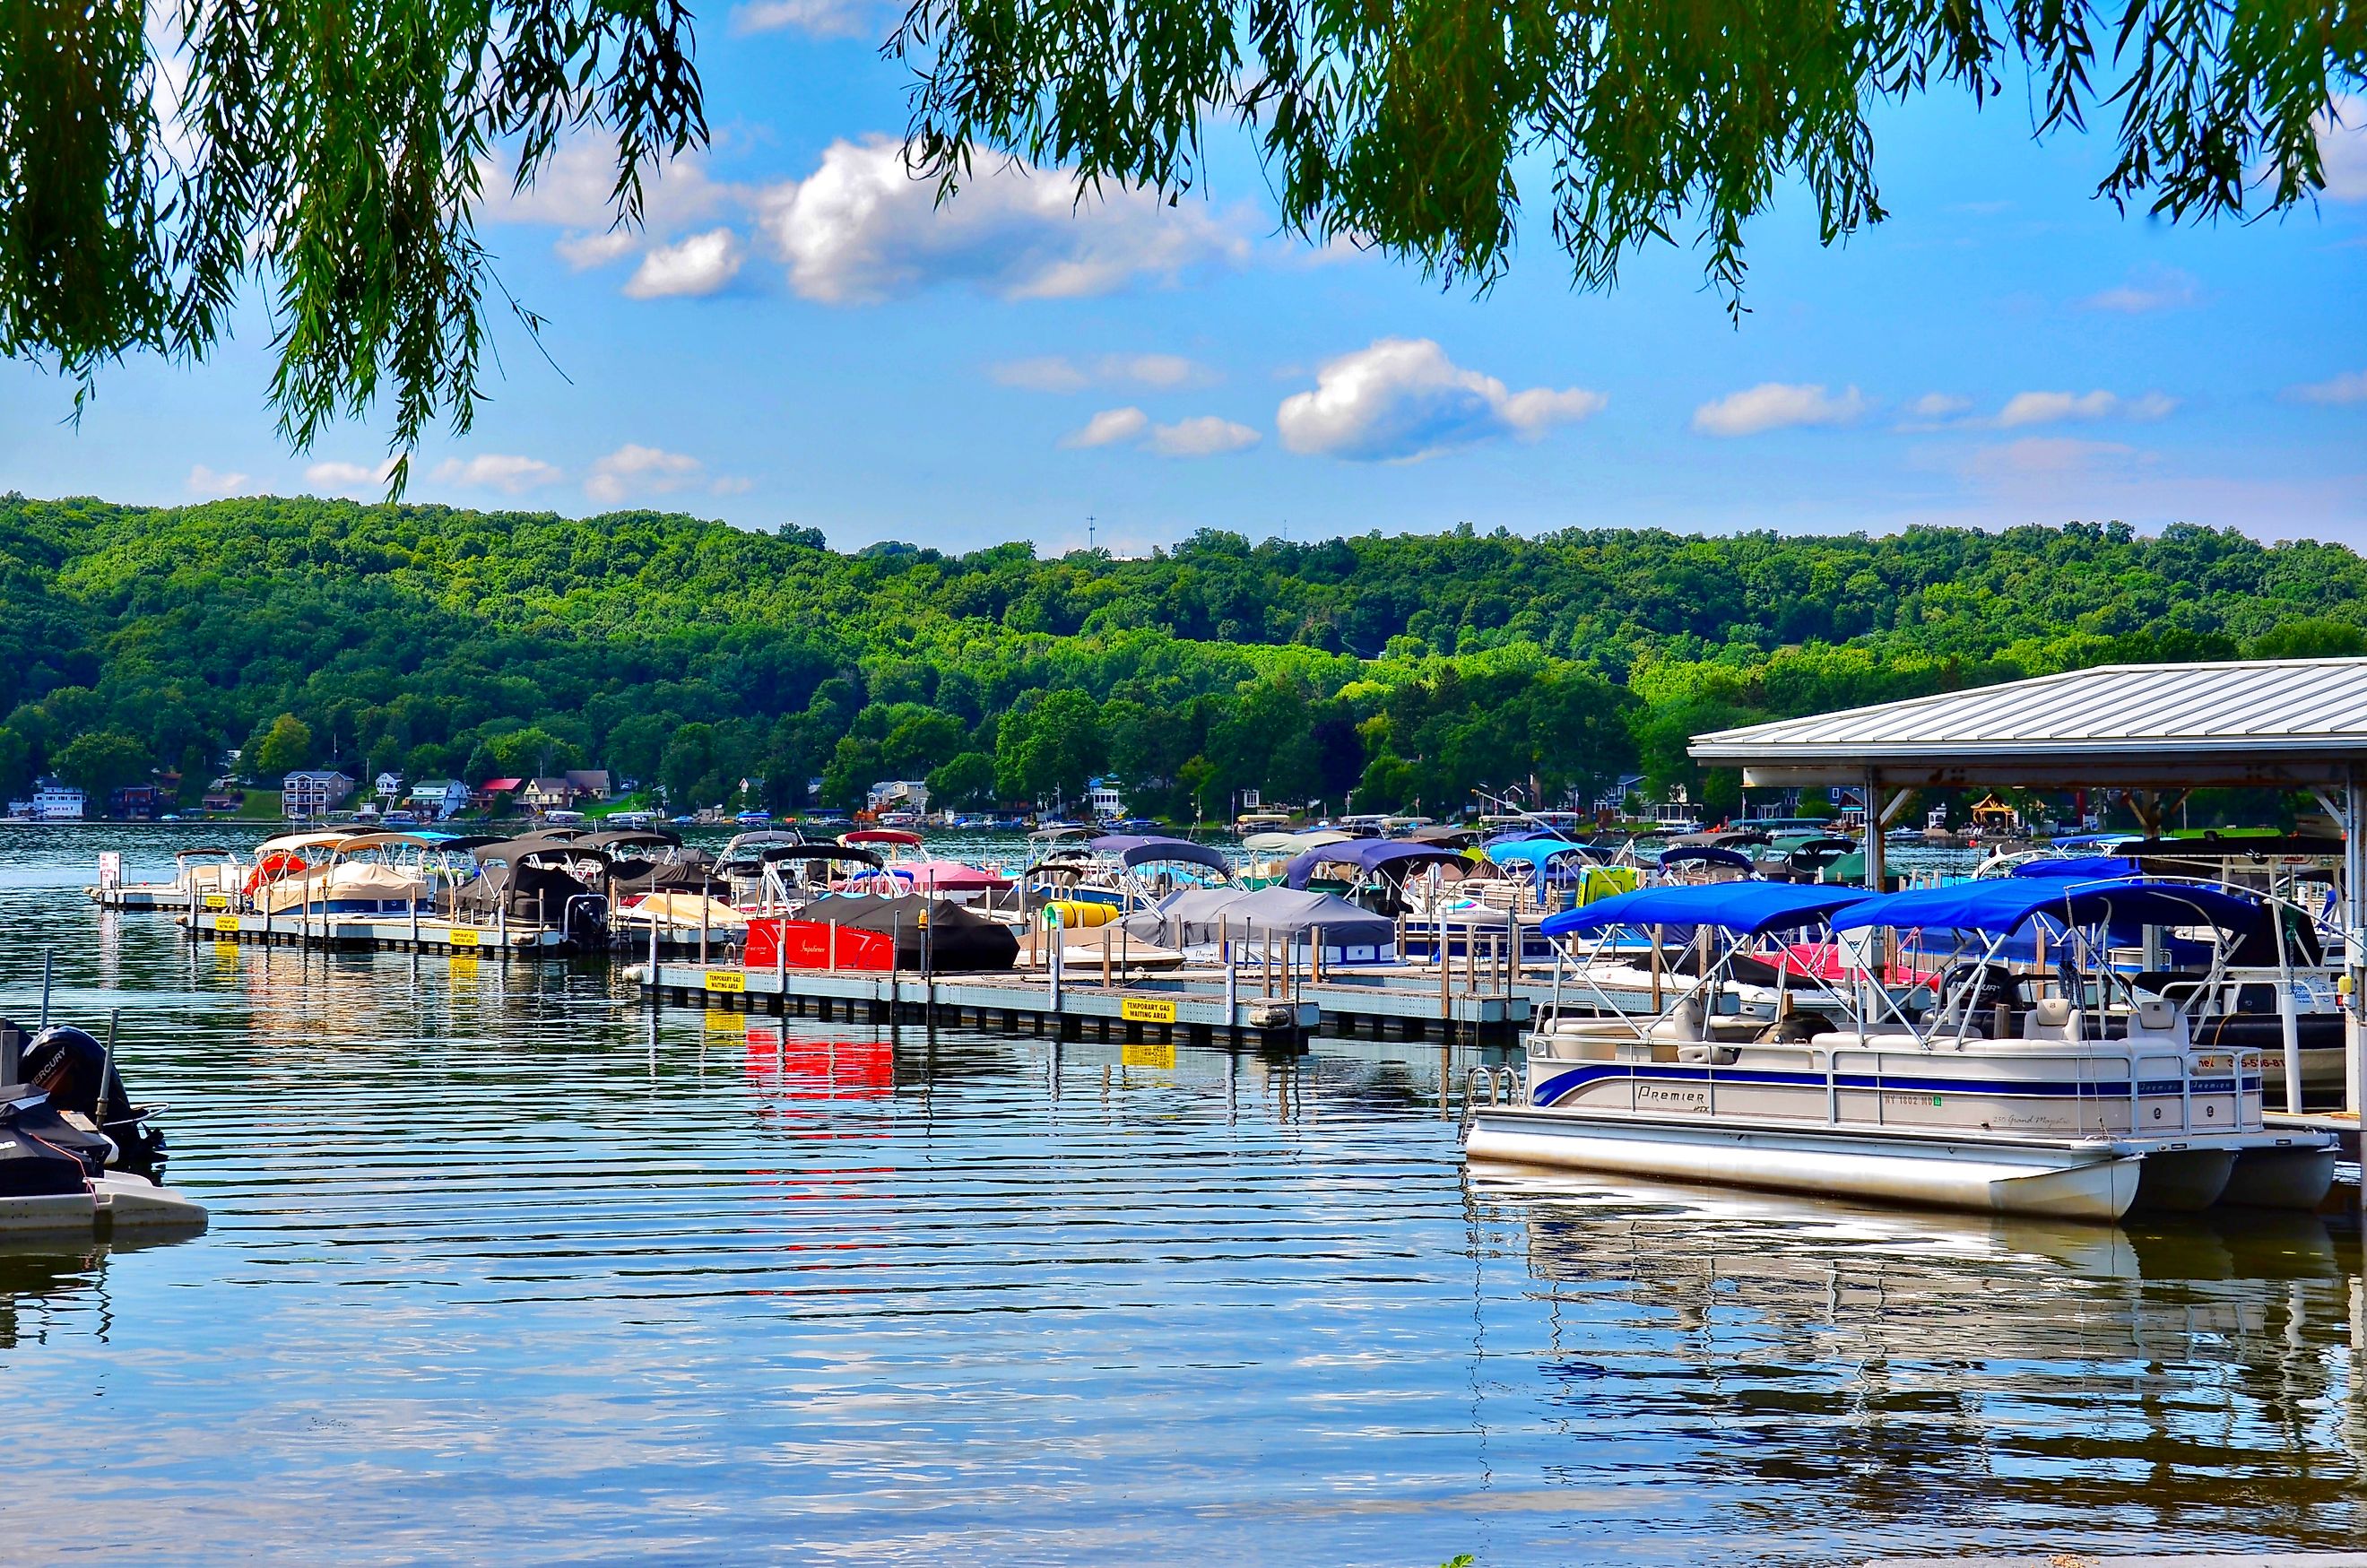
503, 1263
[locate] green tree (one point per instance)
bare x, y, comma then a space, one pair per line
286, 747
1051, 751
2310, 637
963, 783
688, 769
102, 762
16, 762
1407, 126
329, 151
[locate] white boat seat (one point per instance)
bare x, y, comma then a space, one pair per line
2155, 1016
2054, 1018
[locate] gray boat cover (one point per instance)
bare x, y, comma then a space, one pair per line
1198, 916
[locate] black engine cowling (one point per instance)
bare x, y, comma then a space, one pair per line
65, 1064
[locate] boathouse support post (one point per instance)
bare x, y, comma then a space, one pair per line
2354, 942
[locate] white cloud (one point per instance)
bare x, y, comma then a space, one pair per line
1937, 405
2155, 288
632, 469
700, 265
1059, 373
203, 481
2054, 408
1205, 436
818, 18
585, 251
575, 188
1109, 428
2350, 386
334, 477
1402, 399
1776, 405
496, 470
2342, 147
861, 230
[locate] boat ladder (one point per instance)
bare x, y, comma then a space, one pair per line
1501, 1085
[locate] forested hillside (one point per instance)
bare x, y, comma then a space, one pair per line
1411, 668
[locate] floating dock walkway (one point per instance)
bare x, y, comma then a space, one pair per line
1007, 1001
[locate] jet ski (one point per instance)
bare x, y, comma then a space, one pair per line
75, 1153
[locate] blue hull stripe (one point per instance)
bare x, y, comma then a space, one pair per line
1562, 1083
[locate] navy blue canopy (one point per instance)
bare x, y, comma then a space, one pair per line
1367, 855
1748, 908
1138, 849
1999, 904
1706, 854
2078, 868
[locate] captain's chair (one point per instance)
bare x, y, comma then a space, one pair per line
2052, 1017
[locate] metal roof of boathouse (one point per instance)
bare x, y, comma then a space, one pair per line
2276, 722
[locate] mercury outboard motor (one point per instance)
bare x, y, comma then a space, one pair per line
66, 1064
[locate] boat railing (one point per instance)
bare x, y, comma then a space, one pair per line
2135, 1069
1501, 1085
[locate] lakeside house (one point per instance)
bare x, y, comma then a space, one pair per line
432, 800
55, 800
387, 786
313, 792
1103, 797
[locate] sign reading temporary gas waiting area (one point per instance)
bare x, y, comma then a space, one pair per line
1148, 1009
726, 980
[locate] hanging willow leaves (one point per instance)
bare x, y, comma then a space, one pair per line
1402, 124
329, 152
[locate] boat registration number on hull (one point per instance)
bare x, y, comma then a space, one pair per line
1146, 1010
726, 980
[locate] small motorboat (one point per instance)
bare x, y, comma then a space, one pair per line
75, 1153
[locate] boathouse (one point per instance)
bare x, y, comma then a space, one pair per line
2155, 730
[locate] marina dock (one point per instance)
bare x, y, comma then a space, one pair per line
1163, 1012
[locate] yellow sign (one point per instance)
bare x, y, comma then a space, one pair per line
225, 923
726, 980
1146, 1057
217, 900
1148, 1009
466, 936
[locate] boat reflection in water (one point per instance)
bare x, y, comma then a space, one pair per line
1872, 1384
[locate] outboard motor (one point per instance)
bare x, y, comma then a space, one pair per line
66, 1064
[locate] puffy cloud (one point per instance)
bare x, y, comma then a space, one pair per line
203, 481
1059, 373
335, 477
585, 251
574, 189
861, 229
700, 265
818, 18
2342, 147
1109, 428
2054, 408
1776, 405
1402, 399
2350, 386
2156, 289
1937, 405
1205, 436
496, 470
632, 469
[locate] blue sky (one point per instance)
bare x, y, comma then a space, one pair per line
800, 337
